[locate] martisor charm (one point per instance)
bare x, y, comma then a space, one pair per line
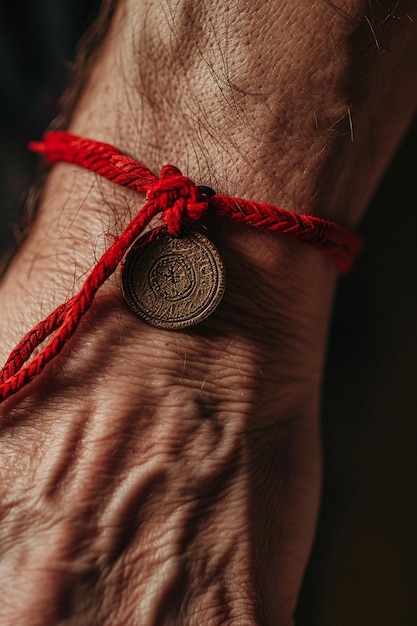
173, 282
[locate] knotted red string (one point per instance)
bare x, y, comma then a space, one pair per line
179, 201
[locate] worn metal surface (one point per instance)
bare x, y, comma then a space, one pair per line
173, 282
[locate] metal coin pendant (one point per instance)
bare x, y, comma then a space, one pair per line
173, 282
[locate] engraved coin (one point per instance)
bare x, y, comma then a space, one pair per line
173, 282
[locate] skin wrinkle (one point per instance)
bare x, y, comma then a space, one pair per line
206, 572
188, 519
156, 622
156, 98
148, 52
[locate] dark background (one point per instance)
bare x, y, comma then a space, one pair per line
362, 571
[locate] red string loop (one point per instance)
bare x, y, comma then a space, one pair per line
179, 201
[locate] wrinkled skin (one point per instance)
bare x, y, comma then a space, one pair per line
159, 478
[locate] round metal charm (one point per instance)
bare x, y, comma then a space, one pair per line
173, 282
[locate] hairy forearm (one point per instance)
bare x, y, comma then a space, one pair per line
300, 103
172, 478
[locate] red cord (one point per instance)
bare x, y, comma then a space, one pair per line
179, 201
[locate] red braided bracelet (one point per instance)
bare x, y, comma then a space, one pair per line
179, 202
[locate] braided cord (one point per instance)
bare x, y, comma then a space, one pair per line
179, 201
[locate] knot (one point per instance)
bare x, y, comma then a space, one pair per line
179, 199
